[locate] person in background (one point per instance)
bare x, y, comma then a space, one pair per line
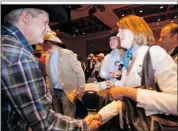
168, 40
90, 65
82, 63
65, 75
136, 40
97, 68
25, 98
100, 58
109, 69
41, 62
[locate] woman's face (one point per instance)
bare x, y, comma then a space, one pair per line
126, 38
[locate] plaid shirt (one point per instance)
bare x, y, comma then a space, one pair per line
25, 99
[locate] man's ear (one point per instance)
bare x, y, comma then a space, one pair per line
26, 17
174, 36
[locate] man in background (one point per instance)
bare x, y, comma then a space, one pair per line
109, 69
82, 63
90, 65
65, 75
100, 57
41, 62
168, 40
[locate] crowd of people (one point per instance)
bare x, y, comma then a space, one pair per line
39, 94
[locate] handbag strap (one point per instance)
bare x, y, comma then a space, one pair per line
148, 79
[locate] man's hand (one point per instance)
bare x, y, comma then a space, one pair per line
94, 125
93, 121
110, 84
115, 74
62, 83
88, 119
75, 92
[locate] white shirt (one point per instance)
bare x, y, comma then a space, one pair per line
165, 72
97, 66
91, 63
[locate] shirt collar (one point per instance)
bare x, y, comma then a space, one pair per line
171, 51
115, 52
54, 51
12, 30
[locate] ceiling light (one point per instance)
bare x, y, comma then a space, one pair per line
158, 19
74, 35
57, 30
161, 7
122, 14
141, 11
76, 30
83, 33
175, 17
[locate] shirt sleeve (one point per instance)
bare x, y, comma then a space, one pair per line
77, 68
110, 110
24, 85
157, 101
165, 71
103, 71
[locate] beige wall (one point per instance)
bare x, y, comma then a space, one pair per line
78, 44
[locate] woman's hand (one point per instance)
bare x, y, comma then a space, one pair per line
120, 92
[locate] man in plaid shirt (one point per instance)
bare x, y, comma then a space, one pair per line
26, 101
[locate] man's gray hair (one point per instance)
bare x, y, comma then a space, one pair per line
14, 15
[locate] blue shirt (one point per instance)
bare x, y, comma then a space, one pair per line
54, 69
109, 65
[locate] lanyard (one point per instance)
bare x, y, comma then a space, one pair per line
128, 56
